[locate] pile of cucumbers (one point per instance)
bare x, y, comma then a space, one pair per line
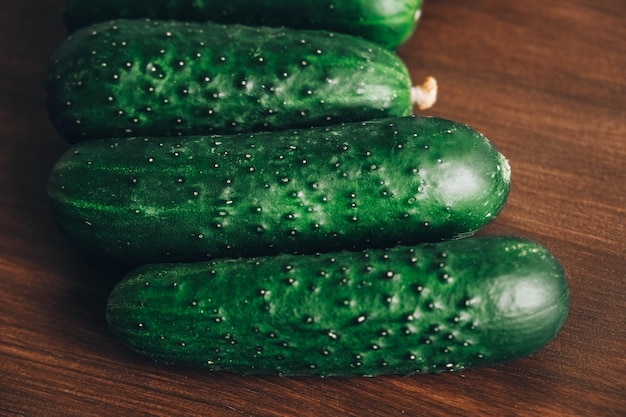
258, 168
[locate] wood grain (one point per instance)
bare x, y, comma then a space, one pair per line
546, 81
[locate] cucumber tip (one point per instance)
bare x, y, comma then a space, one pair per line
425, 94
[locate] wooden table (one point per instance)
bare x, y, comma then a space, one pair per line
546, 81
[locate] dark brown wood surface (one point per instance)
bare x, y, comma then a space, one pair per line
544, 80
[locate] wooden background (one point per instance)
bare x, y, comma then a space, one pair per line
545, 80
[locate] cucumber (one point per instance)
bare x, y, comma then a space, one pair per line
421, 309
387, 22
131, 77
347, 186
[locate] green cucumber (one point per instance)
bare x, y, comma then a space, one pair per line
428, 308
387, 22
353, 185
130, 77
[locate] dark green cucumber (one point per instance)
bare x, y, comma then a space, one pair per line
430, 308
353, 185
130, 77
387, 22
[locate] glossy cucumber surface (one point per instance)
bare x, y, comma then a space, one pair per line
428, 308
387, 22
137, 77
348, 186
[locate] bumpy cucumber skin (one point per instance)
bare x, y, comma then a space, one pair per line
405, 310
128, 77
349, 186
386, 22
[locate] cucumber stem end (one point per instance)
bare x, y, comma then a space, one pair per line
425, 95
